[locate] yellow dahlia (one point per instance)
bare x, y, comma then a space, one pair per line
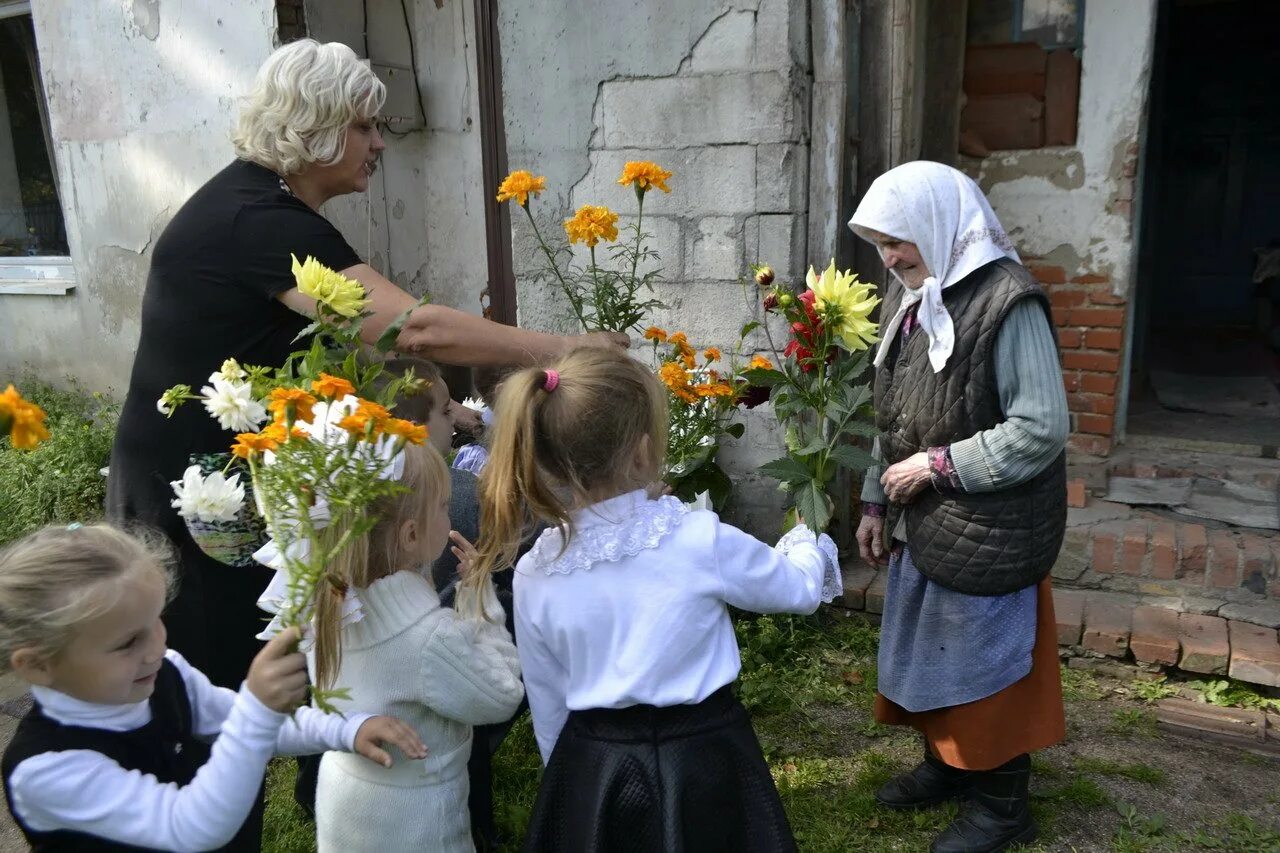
344, 296
845, 305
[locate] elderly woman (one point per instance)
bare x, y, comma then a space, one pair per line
220, 286
972, 506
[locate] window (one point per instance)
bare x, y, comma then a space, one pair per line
1021, 74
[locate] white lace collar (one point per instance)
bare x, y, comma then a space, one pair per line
608, 532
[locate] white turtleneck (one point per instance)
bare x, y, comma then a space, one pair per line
85, 791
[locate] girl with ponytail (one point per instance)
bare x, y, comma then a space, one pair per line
622, 618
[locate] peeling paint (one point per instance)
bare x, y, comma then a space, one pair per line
1062, 168
145, 17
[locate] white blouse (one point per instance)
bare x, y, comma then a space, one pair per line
634, 610
85, 791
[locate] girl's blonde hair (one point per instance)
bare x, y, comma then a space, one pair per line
56, 579
376, 554
305, 96
574, 438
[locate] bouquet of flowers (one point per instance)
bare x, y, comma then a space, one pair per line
319, 445
606, 298
703, 396
818, 392
21, 420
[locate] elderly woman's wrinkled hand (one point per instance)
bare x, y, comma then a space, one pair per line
904, 480
870, 538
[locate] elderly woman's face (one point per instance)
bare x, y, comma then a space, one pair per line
901, 257
351, 173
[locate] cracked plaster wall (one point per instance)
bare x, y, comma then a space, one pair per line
1072, 206
141, 102
718, 92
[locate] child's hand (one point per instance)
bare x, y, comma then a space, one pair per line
378, 731
278, 675
659, 490
465, 552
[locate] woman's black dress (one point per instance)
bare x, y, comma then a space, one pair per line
211, 295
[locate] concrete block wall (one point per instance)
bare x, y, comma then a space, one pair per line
726, 111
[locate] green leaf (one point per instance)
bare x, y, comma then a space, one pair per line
387, 340
736, 429
787, 469
749, 328
310, 329
813, 505
853, 457
862, 428
765, 376
817, 445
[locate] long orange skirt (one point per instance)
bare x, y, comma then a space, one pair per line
1025, 716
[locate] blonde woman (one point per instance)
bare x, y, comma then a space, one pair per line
220, 286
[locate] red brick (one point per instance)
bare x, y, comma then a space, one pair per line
857, 577
1098, 404
1104, 296
1099, 424
1098, 383
1049, 275
1061, 298
1122, 207
1005, 122
1091, 278
1089, 445
1107, 362
1255, 654
1205, 647
1106, 625
1164, 550
1077, 496
1224, 560
1103, 339
1104, 405
1068, 609
1107, 317
1071, 381
1019, 58
1257, 562
1155, 635
1133, 548
1060, 316
1193, 552
1106, 540
1069, 338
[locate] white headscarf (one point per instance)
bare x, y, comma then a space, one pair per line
944, 213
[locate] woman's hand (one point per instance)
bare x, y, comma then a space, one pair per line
602, 339
658, 489
904, 480
377, 732
870, 538
465, 552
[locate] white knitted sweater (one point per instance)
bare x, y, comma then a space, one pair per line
441, 673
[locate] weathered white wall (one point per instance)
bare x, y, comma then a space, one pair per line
1072, 205
716, 91
141, 100
422, 222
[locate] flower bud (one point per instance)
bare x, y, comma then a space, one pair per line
771, 301
786, 299
764, 276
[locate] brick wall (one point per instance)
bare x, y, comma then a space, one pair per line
291, 20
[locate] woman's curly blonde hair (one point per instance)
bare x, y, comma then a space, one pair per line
305, 96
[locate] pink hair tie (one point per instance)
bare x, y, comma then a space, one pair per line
552, 380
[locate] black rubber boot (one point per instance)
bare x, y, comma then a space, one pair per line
997, 816
931, 783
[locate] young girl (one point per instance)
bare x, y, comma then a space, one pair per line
410, 656
623, 623
115, 752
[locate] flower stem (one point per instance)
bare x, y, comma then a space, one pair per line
555, 268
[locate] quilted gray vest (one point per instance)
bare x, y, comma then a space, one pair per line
989, 543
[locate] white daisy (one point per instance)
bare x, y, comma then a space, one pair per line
211, 498
233, 405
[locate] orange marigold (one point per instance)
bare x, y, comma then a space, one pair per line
359, 424
332, 387
759, 362
711, 354
283, 398
673, 375
249, 443
21, 420
408, 430
686, 359
591, 224
653, 333
276, 432
714, 389
519, 185
644, 174
679, 339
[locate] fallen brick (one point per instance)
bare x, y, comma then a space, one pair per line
1133, 548
1205, 646
1155, 635
1255, 654
1068, 608
857, 577
1224, 560
1106, 625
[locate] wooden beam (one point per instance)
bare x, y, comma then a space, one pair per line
493, 150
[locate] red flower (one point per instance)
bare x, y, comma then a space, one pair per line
771, 302
806, 299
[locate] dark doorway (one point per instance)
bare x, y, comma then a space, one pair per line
1206, 346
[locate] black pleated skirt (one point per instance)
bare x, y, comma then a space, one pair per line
683, 779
